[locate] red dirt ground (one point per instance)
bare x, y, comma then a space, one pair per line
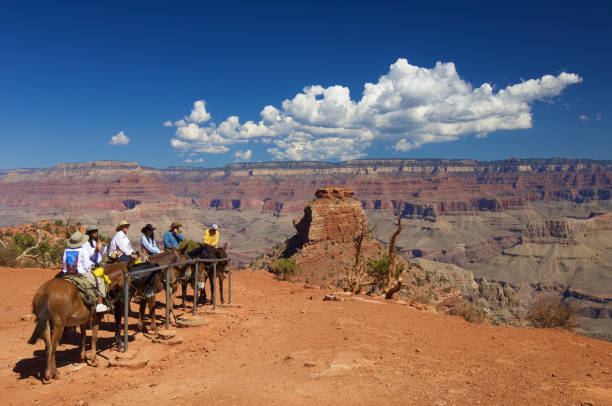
282, 347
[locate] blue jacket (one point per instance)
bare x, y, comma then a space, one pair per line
170, 241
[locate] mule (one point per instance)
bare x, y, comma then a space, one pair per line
58, 304
205, 251
176, 273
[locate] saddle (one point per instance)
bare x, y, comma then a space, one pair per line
144, 283
87, 290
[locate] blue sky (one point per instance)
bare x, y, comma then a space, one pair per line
74, 75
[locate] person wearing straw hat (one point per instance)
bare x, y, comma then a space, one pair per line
173, 237
76, 261
147, 241
97, 249
211, 236
120, 246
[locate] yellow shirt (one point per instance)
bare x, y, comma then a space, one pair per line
211, 239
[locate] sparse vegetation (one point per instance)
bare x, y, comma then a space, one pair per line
470, 313
553, 313
58, 223
285, 267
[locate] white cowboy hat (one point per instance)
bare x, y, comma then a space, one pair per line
215, 227
77, 239
121, 224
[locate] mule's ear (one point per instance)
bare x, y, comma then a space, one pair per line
225, 246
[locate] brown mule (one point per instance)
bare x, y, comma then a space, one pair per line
58, 304
210, 252
176, 273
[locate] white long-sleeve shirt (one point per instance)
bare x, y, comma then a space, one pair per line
149, 245
95, 257
80, 256
121, 241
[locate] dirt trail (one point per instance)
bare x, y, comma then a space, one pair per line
283, 348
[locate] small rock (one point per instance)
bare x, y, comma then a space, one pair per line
308, 364
166, 334
288, 357
27, 317
172, 341
173, 397
417, 350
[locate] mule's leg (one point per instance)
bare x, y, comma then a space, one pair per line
152, 306
141, 310
83, 329
118, 318
220, 279
173, 292
46, 378
184, 293
94, 339
58, 332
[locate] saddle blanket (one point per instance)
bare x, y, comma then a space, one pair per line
85, 286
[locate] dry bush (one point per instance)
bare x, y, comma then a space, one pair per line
8, 256
553, 313
470, 313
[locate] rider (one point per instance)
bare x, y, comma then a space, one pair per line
120, 246
76, 261
147, 241
96, 248
211, 236
173, 237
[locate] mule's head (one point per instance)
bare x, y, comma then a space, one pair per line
221, 253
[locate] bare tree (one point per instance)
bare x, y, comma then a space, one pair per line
358, 271
394, 278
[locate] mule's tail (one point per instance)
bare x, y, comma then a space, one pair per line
41, 308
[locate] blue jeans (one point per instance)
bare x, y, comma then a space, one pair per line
124, 258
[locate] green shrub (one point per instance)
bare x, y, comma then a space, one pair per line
56, 253
58, 223
553, 313
378, 268
285, 267
24, 241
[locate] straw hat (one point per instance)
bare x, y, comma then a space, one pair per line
121, 224
215, 227
176, 224
92, 227
77, 239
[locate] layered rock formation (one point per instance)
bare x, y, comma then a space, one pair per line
335, 215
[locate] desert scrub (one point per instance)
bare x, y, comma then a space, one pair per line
470, 313
553, 313
285, 267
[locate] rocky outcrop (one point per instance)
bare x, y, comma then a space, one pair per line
499, 300
335, 215
548, 232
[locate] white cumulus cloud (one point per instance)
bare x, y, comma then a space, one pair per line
198, 113
194, 161
583, 117
407, 107
119, 139
243, 155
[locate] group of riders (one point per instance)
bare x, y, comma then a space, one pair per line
85, 254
